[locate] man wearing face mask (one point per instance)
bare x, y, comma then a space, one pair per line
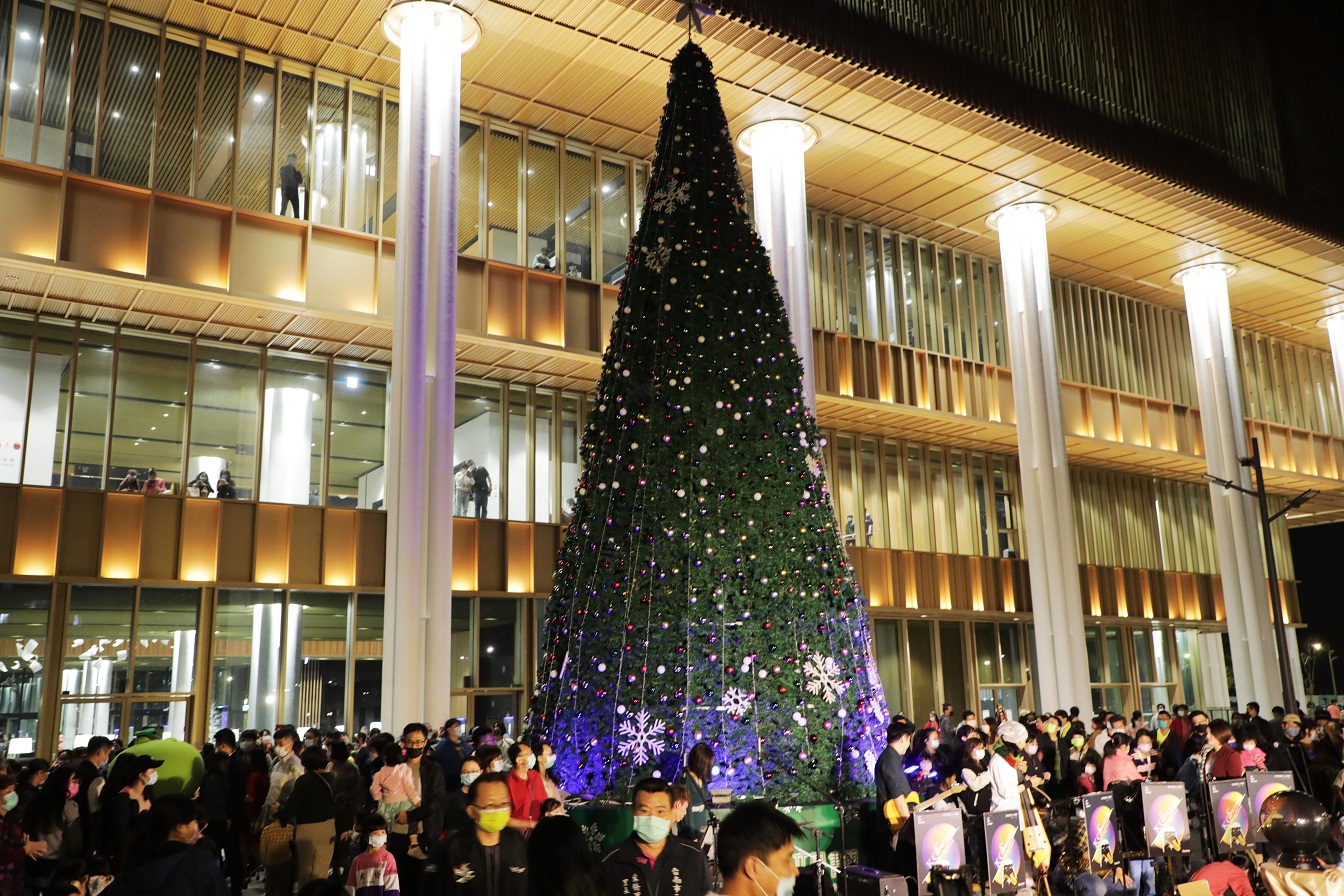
1288, 754
284, 772
653, 862
414, 831
490, 859
756, 851
92, 777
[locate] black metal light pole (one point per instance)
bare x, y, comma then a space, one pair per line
1271, 565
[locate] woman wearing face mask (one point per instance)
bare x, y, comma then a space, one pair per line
14, 846
456, 817
127, 781
169, 857
1086, 782
975, 799
546, 765
53, 818
1145, 758
311, 807
490, 759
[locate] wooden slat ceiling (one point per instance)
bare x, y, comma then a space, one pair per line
889, 152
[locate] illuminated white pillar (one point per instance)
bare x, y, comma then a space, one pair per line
181, 681
264, 682
1047, 495
1236, 525
779, 196
1213, 672
432, 36
1334, 325
287, 445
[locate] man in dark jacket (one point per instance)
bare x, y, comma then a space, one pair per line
451, 750
653, 862
424, 821
291, 178
91, 780
1288, 755
490, 859
235, 798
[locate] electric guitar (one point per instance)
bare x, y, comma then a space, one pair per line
896, 820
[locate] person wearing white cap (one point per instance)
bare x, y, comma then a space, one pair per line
1006, 767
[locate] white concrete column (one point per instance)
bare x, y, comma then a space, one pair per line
432, 36
263, 687
1213, 671
286, 445
1334, 325
779, 196
1047, 498
1236, 524
1295, 654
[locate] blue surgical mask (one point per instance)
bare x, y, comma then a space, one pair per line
468, 777
651, 828
1291, 731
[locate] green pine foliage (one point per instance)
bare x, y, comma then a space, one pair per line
702, 593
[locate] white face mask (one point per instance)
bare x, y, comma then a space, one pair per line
933, 743
1144, 748
1031, 749
497, 765
153, 778
1250, 745
783, 885
377, 841
1090, 769
979, 755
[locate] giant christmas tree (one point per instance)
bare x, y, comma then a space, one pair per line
702, 593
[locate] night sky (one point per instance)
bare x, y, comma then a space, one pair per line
1316, 558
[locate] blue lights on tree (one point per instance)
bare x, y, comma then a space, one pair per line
703, 593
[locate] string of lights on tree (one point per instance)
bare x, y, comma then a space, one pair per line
702, 593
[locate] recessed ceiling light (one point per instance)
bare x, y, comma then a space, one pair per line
135, 69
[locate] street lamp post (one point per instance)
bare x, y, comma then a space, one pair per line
1271, 566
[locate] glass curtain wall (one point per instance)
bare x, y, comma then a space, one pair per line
24, 612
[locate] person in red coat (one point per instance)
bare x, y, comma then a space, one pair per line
1226, 762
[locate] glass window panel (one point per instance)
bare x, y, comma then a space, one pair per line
996, 308
887, 643
214, 175
501, 643
543, 467
874, 326
245, 667
358, 437
853, 283
504, 156
1143, 653
88, 424
615, 221
224, 407
328, 171
938, 498
543, 203
177, 118
571, 424
368, 663
462, 669
293, 429
84, 124
16, 356
320, 636
1010, 649
953, 655
843, 482
895, 308
24, 608
874, 533
921, 529
1161, 656
149, 417
47, 411
165, 650
55, 87
986, 652
471, 140
965, 318
914, 334
256, 137
487, 709
1094, 664
391, 136
1115, 663
922, 693
478, 438
361, 183
97, 640
130, 94
516, 485
292, 134
897, 521
578, 208
1187, 649
24, 78
640, 179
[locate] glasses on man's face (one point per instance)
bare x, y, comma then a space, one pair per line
494, 807
416, 744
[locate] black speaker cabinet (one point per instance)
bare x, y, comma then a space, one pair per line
860, 880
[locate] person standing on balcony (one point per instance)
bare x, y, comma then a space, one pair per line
482, 486
291, 178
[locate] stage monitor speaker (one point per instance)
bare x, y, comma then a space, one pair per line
860, 880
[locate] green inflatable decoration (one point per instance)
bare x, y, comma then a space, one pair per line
183, 768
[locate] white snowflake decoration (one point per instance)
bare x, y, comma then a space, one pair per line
813, 465
824, 677
593, 834
657, 259
643, 737
672, 194
736, 702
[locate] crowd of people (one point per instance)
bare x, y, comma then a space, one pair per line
154, 484
1042, 761
434, 812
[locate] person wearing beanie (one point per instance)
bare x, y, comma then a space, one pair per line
1007, 766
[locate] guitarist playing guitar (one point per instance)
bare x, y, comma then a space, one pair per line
894, 790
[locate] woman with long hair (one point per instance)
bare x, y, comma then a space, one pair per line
15, 848
53, 818
696, 778
562, 862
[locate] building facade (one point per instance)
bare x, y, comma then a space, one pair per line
157, 310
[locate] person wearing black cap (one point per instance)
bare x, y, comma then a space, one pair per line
128, 782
